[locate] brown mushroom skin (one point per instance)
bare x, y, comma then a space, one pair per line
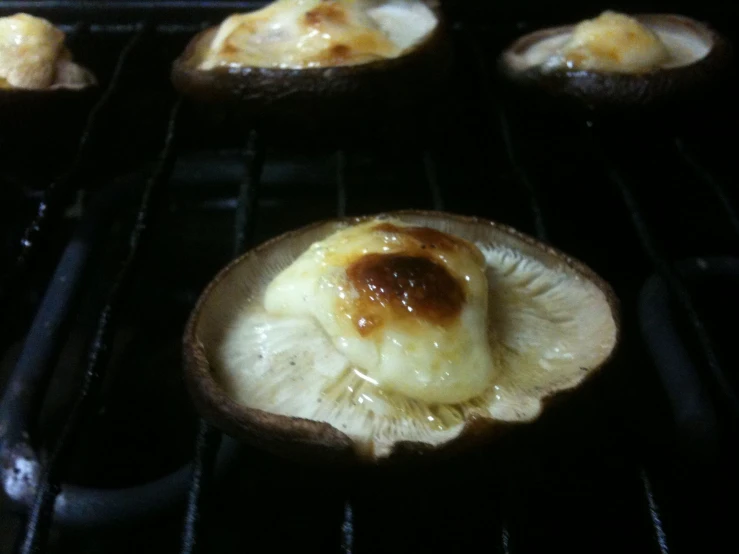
336, 97
659, 88
318, 442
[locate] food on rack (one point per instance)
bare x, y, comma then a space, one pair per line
616, 59
295, 52
378, 338
33, 57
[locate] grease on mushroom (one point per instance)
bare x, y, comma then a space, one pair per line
319, 33
33, 56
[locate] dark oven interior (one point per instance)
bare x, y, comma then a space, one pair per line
113, 221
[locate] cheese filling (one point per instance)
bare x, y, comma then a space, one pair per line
612, 42
616, 43
319, 33
406, 305
33, 56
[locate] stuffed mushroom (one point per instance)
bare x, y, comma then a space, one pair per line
44, 93
618, 60
318, 58
377, 338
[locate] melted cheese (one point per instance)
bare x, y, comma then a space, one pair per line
319, 33
407, 306
29, 47
612, 42
33, 56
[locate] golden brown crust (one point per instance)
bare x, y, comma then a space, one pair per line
403, 287
316, 441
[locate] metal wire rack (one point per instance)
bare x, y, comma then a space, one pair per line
562, 179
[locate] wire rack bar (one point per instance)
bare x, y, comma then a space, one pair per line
40, 517
340, 183
505, 539
674, 283
206, 449
654, 513
714, 184
245, 220
209, 438
429, 166
523, 176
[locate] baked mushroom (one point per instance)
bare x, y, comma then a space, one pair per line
619, 60
320, 59
44, 94
377, 338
